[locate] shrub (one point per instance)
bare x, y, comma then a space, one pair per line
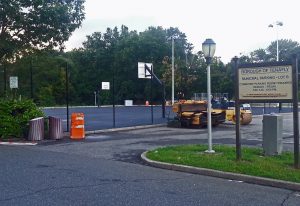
15, 116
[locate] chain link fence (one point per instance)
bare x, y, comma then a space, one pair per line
55, 87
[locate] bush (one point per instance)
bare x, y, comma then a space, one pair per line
15, 116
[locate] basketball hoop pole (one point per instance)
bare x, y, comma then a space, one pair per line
153, 76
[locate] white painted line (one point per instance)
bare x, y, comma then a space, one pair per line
290, 141
19, 143
97, 137
235, 181
254, 139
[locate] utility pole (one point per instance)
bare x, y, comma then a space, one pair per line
277, 24
173, 71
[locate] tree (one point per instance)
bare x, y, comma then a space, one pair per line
286, 50
260, 55
37, 24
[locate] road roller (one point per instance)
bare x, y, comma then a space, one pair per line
190, 113
229, 109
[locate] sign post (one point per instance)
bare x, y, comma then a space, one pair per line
106, 86
267, 83
296, 114
237, 114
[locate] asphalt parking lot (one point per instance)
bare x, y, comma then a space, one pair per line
102, 117
131, 143
106, 169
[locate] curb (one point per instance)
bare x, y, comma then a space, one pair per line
225, 175
19, 143
67, 134
126, 128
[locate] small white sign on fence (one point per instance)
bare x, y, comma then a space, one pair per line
13, 82
105, 86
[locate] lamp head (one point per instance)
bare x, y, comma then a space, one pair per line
279, 23
208, 49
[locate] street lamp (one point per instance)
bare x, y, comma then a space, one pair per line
173, 37
277, 24
173, 71
208, 49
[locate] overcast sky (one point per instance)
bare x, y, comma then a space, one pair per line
237, 26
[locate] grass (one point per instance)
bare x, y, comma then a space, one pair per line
253, 162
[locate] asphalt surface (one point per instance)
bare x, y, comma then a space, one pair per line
102, 117
106, 169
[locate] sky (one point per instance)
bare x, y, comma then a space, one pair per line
237, 26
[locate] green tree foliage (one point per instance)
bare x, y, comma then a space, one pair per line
286, 47
116, 53
15, 116
48, 79
26, 24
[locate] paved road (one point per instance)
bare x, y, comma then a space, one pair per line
105, 169
102, 118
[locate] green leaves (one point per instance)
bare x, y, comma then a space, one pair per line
37, 24
15, 116
286, 48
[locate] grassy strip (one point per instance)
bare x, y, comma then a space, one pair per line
253, 162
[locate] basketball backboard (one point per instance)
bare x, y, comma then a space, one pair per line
142, 72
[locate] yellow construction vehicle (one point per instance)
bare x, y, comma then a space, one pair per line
229, 109
194, 113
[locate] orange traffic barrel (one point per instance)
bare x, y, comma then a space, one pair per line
77, 126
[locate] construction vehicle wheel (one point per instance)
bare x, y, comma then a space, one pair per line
233, 119
245, 118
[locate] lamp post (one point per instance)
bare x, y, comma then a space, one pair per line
173, 71
277, 24
173, 37
208, 49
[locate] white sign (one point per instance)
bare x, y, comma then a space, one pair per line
265, 83
143, 72
105, 86
13, 82
128, 102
